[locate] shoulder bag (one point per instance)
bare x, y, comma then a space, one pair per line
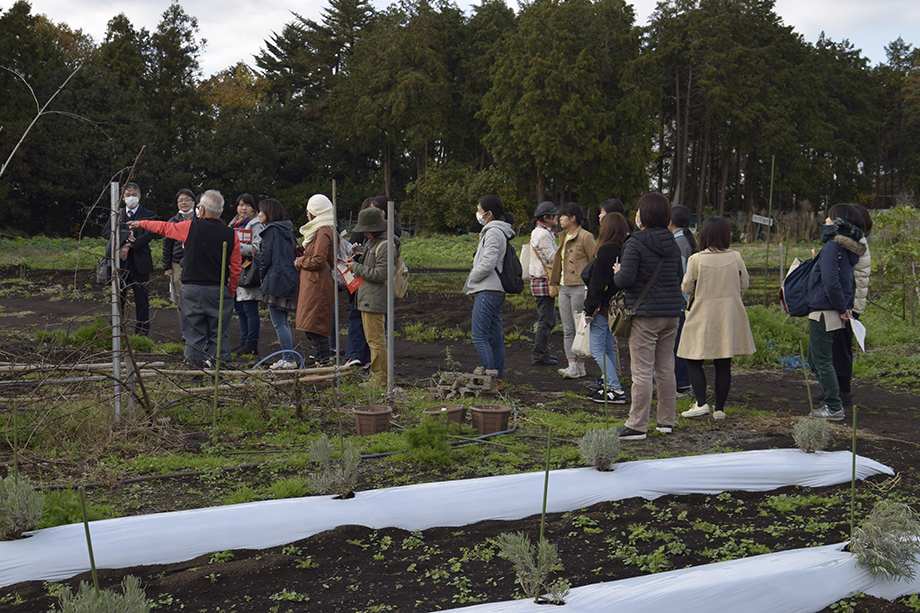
553, 289
620, 317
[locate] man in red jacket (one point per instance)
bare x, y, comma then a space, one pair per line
201, 276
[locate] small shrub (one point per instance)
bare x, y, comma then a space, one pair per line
599, 447
20, 506
811, 434
428, 443
88, 600
532, 565
888, 542
334, 477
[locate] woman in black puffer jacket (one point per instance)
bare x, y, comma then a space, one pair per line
654, 324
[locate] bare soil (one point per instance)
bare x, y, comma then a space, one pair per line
353, 568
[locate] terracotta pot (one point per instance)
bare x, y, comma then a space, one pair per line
489, 418
453, 413
372, 418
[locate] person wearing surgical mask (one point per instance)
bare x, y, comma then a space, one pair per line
136, 261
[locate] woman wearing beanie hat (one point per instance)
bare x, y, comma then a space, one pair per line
316, 294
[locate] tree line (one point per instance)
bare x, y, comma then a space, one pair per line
716, 103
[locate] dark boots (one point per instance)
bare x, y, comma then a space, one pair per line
247, 347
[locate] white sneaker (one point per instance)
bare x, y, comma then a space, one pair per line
718, 415
353, 362
581, 369
283, 364
697, 411
571, 372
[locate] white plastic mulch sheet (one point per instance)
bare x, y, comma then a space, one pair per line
60, 552
803, 580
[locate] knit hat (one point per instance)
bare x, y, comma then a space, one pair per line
318, 204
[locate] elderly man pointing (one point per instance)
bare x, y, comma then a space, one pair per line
201, 274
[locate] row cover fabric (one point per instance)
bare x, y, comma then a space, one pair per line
163, 538
794, 581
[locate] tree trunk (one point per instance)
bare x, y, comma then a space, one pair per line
738, 158
704, 171
387, 169
541, 185
686, 138
723, 183
661, 147
675, 164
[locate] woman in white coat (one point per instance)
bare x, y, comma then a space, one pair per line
717, 326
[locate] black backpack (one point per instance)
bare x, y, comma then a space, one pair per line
794, 291
511, 274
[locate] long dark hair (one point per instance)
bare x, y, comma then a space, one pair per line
573, 209
680, 217
493, 204
614, 229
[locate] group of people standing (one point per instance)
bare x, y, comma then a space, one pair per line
296, 274
658, 265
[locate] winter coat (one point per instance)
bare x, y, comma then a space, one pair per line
316, 294
543, 241
861, 275
640, 257
831, 285
371, 296
578, 252
717, 324
490, 254
246, 251
601, 286
173, 250
276, 267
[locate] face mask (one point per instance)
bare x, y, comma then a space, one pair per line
132, 201
481, 218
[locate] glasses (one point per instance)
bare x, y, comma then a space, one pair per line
185, 200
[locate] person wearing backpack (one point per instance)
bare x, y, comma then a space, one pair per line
371, 295
484, 283
576, 251
831, 291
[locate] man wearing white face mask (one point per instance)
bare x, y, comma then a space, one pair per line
136, 260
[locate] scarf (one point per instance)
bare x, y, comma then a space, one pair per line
241, 222
325, 219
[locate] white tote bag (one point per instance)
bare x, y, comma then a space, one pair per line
525, 262
581, 345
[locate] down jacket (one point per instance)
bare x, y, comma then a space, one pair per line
641, 254
861, 275
276, 260
831, 285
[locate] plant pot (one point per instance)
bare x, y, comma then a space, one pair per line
490, 418
372, 418
453, 413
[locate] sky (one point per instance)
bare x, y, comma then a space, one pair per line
236, 30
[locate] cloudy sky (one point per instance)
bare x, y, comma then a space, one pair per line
236, 29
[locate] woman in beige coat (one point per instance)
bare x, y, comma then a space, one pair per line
717, 326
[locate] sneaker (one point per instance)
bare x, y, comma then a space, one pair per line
569, 373
597, 384
718, 415
684, 391
664, 429
696, 411
628, 434
826, 413
283, 364
479, 370
325, 362
581, 369
352, 362
548, 360
611, 396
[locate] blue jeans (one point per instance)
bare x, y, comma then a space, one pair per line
283, 329
356, 346
604, 350
247, 311
486, 331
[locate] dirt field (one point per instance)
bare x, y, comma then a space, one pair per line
456, 566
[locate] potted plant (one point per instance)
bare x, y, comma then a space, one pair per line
490, 418
452, 413
372, 418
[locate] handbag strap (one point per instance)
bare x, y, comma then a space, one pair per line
648, 285
548, 270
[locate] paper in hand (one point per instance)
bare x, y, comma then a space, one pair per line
859, 331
